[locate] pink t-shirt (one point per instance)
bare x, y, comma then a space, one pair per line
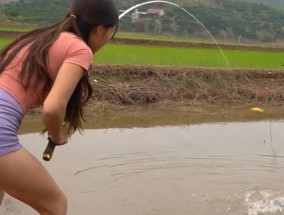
68, 48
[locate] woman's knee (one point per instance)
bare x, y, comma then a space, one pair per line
1, 196
61, 206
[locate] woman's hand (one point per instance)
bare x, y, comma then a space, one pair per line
65, 133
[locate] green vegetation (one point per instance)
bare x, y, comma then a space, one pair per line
274, 3
37, 11
4, 42
143, 36
229, 20
148, 37
131, 54
19, 29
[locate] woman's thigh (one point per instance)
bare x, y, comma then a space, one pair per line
23, 177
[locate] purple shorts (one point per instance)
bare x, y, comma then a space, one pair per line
11, 115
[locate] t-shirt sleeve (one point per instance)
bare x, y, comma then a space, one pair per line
79, 53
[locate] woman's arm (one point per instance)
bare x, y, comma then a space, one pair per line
54, 106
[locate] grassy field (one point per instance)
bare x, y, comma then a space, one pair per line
155, 37
131, 54
141, 36
4, 42
16, 28
151, 55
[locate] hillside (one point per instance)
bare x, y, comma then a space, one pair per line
127, 3
230, 20
7, 1
226, 20
37, 11
274, 3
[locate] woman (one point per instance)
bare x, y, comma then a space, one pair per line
48, 67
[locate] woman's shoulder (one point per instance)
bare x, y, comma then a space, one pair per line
70, 48
71, 39
69, 44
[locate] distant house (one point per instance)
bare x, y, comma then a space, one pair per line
150, 14
155, 13
279, 42
137, 16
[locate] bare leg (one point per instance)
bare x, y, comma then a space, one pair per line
1, 196
23, 177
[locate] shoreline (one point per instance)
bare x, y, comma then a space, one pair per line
125, 92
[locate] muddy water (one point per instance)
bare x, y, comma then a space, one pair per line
208, 168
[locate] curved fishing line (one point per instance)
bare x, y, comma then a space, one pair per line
183, 9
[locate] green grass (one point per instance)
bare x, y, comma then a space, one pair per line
129, 35
4, 42
162, 38
134, 54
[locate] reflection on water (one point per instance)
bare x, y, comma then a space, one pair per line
156, 117
200, 169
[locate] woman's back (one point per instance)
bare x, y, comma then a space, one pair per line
68, 48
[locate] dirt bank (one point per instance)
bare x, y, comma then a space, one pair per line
122, 87
146, 42
10, 34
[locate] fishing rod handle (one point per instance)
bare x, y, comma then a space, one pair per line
48, 152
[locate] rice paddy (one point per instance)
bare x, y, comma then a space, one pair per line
176, 56
171, 56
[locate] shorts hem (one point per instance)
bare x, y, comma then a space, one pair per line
14, 149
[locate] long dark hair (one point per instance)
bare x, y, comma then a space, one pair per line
82, 17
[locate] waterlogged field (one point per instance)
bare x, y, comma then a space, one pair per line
154, 55
196, 169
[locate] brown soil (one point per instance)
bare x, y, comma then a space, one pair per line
10, 34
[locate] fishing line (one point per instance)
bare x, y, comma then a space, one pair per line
187, 12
